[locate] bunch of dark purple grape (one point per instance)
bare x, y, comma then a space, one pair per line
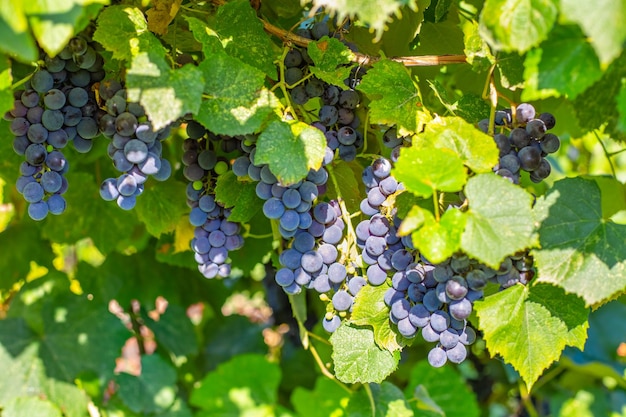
214, 235
56, 106
527, 144
338, 107
135, 147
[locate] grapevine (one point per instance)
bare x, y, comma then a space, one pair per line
384, 199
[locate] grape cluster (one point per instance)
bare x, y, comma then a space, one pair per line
135, 147
438, 299
527, 144
214, 235
291, 204
434, 298
393, 141
338, 107
518, 268
57, 106
313, 250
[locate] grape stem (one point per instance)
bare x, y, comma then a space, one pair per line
15, 85
253, 236
365, 130
362, 59
281, 83
436, 205
606, 152
318, 338
325, 370
492, 95
528, 404
368, 390
136, 326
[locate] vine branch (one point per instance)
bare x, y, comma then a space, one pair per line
362, 59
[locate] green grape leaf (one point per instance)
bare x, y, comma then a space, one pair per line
443, 6
531, 75
621, 107
415, 218
237, 102
500, 221
613, 194
330, 57
335, 77
14, 26
374, 15
424, 402
28, 302
24, 374
439, 240
603, 23
207, 37
183, 37
441, 38
245, 385
567, 65
117, 24
17, 266
31, 407
161, 206
141, 280
605, 335
405, 202
178, 409
471, 107
440, 390
357, 358
89, 215
323, 401
345, 183
370, 310
6, 79
165, 94
154, 390
53, 22
476, 149
426, 169
395, 97
290, 150
247, 40
511, 68
24, 370
539, 321
173, 331
80, 335
240, 195
513, 25
223, 344
476, 49
328, 53
388, 401
577, 243
588, 401
596, 105
68, 397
